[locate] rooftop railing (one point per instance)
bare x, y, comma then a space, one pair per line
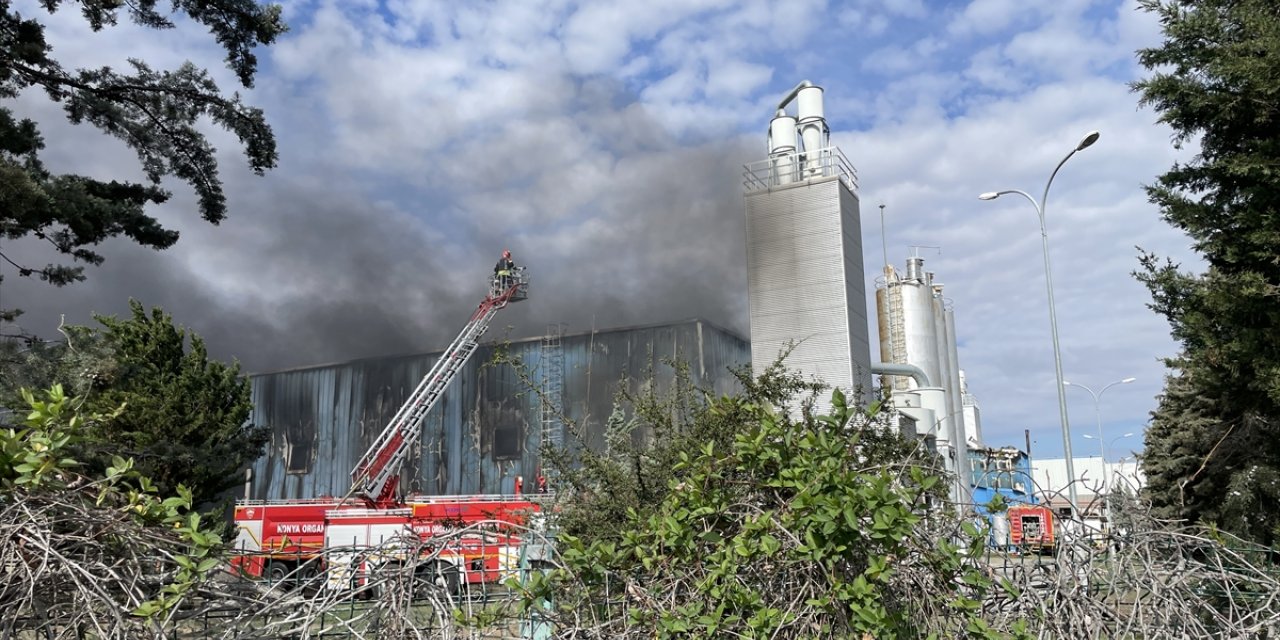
797, 168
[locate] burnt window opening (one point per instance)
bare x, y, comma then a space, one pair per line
298, 444
297, 458
507, 439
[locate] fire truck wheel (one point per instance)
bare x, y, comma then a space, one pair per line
308, 577
277, 572
442, 575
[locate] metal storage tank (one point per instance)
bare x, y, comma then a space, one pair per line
917, 326
488, 427
888, 314
946, 431
958, 444
805, 279
909, 333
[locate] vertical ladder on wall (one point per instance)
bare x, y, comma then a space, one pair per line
551, 359
897, 325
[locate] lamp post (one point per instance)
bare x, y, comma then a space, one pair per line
1097, 410
1107, 475
1118, 469
1111, 447
1111, 474
1084, 143
1116, 439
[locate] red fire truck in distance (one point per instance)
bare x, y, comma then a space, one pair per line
471, 539
1032, 528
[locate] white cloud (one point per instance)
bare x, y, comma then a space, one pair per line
986, 17
736, 78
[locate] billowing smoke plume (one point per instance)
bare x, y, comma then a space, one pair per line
617, 224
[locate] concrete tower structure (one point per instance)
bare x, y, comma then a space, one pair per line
805, 280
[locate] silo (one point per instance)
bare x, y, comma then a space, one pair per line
782, 147
947, 423
908, 328
813, 129
959, 429
917, 327
893, 344
918, 324
884, 324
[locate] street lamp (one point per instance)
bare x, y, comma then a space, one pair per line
1113, 441
1116, 439
1105, 472
1107, 475
1084, 143
1097, 409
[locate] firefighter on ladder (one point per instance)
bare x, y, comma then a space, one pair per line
503, 272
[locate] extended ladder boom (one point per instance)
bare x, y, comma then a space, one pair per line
377, 475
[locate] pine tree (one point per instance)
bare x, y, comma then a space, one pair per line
155, 112
185, 417
1215, 80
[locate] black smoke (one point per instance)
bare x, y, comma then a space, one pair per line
316, 264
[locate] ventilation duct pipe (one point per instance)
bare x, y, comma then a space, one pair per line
895, 369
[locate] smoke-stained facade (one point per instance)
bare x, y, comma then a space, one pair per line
805, 283
487, 428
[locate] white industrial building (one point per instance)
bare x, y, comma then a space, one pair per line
805, 282
806, 290
1094, 478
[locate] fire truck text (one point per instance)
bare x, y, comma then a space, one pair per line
306, 527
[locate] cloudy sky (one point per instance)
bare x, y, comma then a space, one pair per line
603, 143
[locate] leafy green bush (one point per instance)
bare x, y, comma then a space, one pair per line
781, 523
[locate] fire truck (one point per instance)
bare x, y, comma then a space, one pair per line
335, 541
1032, 528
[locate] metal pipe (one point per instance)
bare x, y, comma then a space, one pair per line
896, 369
884, 242
791, 95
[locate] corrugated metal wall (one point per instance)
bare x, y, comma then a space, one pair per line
487, 428
805, 281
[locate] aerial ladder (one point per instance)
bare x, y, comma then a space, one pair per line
376, 476
282, 539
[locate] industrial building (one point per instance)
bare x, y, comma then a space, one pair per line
488, 428
1004, 472
1095, 478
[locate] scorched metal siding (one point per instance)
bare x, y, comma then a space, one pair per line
323, 418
